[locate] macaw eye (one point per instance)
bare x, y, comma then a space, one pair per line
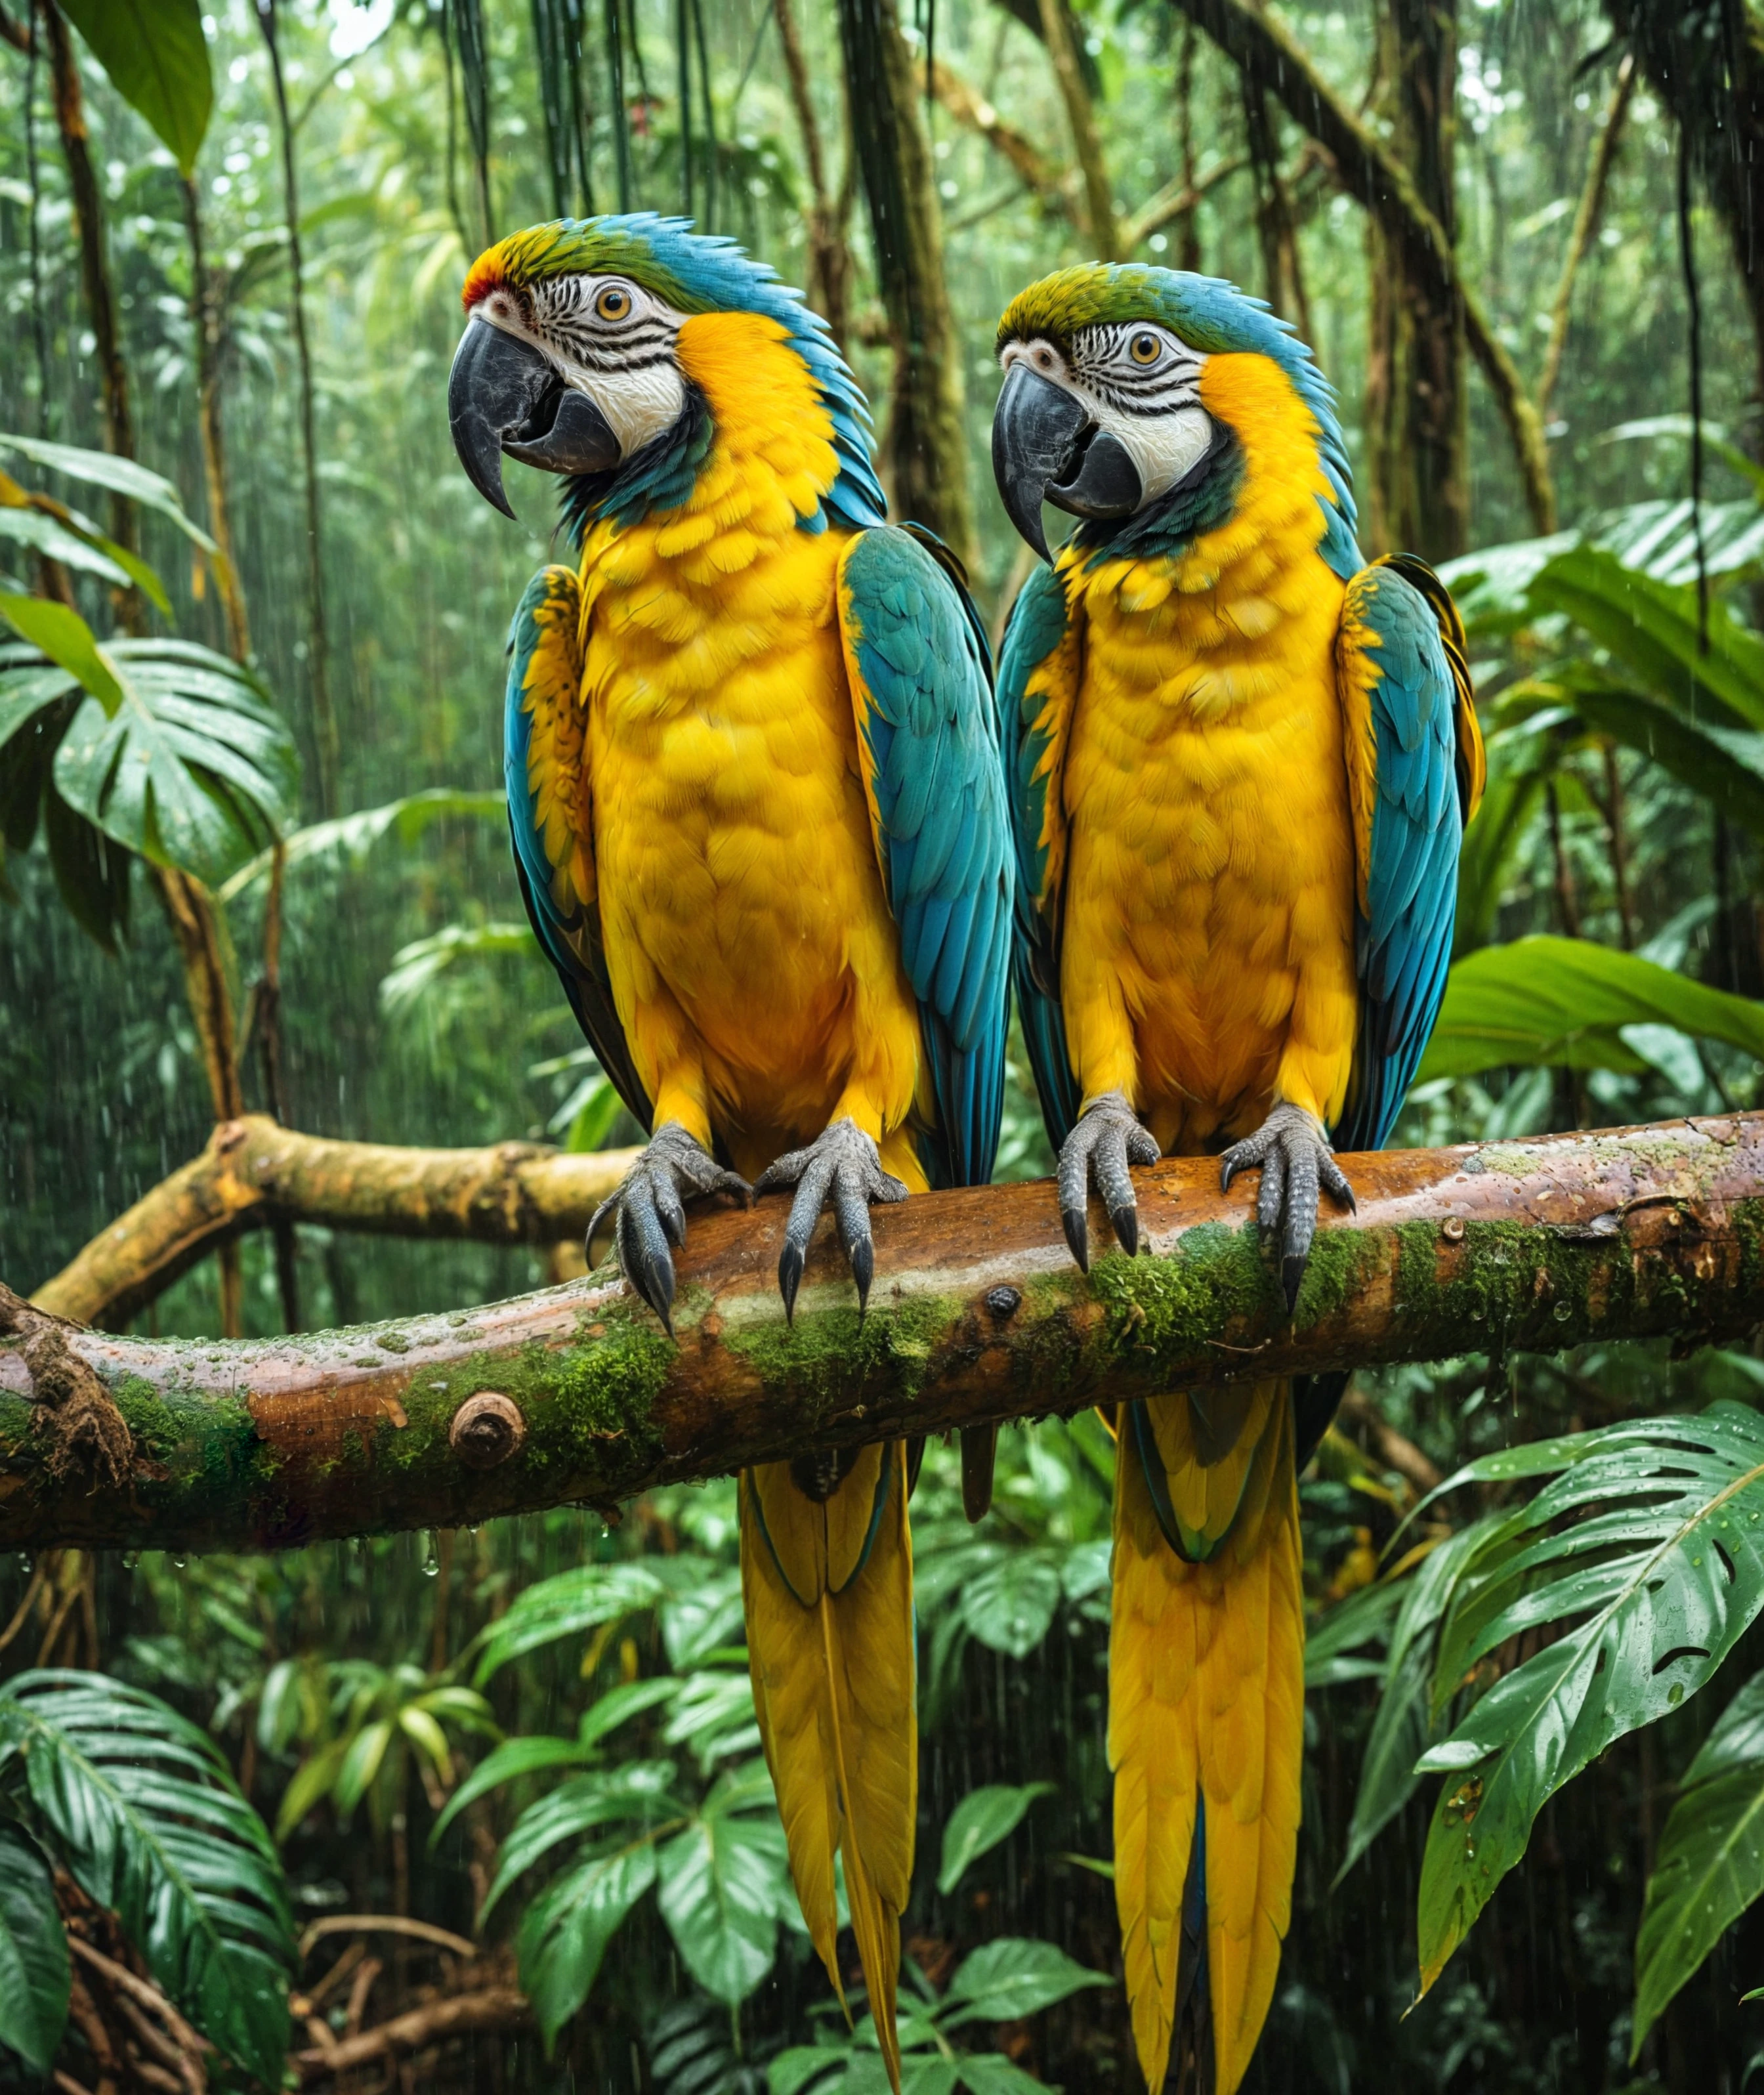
1145, 349
614, 302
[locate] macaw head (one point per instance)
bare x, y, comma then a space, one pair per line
587, 351
1129, 394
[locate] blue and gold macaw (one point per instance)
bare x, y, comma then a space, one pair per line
760, 821
1241, 763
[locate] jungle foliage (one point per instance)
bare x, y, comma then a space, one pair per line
262, 687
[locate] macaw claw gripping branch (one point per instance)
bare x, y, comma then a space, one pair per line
977, 1313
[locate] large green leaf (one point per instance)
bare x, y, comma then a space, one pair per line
1645, 1557
1725, 765
417, 967
157, 57
1565, 1001
513, 1758
983, 1817
120, 476
567, 1605
61, 635
725, 1884
142, 1810
1013, 1977
1710, 1864
641, 1791
1011, 1608
34, 1971
565, 1932
193, 770
1652, 628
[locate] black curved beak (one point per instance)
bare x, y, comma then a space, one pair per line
1037, 430
503, 396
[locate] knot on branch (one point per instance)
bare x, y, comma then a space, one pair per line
486, 1429
74, 1412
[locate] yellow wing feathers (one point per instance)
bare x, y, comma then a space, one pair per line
1207, 1715
827, 1589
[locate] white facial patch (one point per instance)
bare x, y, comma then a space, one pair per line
608, 337
1141, 385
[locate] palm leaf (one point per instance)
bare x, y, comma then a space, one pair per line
34, 1971
142, 1809
1710, 1866
1643, 1560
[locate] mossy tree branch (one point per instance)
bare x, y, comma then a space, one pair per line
976, 1313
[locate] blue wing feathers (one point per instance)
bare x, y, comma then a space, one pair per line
1405, 937
926, 713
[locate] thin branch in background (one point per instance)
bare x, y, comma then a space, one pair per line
1565, 881
453, 211
1188, 241
87, 199
323, 718
33, 179
1061, 34
1274, 215
621, 115
1694, 322
1586, 225
683, 60
829, 256
467, 17
206, 335
1616, 828
697, 8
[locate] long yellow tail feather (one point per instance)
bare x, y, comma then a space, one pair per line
1206, 1718
828, 1589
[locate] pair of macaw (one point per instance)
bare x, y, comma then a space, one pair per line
786, 849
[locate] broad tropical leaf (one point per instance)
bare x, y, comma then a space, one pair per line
1710, 1864
417, 967
1566, 1002
513, 1758
57, 534
1013, 1977
1645, 1554
983, 1817
34, 1969
157, 57
565, 1932
725, 1884
1364, 1617
641, 1791
120, 476
28, 683
569, 1605
1725, 765
144, 1812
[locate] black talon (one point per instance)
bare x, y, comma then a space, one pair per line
1107, 1140
1292, 1152
648, 1212
843, 1166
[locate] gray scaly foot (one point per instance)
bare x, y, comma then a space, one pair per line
844, 1164
650, 1211
1293, 1154
1108, 1138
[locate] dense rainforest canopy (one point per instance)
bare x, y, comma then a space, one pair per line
484, 1808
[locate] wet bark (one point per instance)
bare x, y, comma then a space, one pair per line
976, 1313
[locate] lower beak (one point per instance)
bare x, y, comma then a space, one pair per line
503, 396
1037, 430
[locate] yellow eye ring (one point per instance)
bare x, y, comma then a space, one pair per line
1145, 349
614, 302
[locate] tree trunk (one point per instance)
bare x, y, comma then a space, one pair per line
926, 446
1369, 171
1417, 427
977, 1313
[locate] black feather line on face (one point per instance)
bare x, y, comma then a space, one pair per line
1200, 502
659, 476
